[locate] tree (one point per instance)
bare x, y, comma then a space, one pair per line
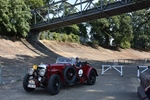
141, 29
125, 35
4, 18
100, 30
118, 27
83, 30
72, 29
14, 17
33, 4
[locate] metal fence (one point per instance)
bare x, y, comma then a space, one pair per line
144, 61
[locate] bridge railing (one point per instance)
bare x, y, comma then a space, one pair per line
62, 9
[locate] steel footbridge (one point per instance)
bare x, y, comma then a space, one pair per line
62, 13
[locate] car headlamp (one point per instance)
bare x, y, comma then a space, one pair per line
42, 72
30, 71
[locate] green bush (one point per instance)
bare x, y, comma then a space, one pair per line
125, 45
59, 37
55, 36
69, 38
64, 37
42, 36
73, 38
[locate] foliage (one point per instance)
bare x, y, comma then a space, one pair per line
73, 38
42, 36
142, 43
4, 18
33, 4
68, 30
125, 31
125, 44
117, 27
14, 17
72, 29
64, 37
59, 37
83, 30
100, 30
141, 29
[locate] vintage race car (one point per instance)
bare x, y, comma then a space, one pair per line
64, 72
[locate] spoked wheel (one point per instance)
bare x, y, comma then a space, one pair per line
69, 74
92, 78
25, 84
54, 84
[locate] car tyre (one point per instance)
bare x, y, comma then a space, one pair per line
69, 74
25, 83
92, 78
54, 84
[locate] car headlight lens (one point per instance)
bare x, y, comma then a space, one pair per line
42, 72
30, 71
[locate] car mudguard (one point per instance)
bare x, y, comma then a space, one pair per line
88, 71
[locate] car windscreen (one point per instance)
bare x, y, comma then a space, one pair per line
65, 60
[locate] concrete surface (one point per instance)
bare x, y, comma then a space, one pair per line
110, 86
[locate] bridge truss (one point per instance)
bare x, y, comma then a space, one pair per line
63, 13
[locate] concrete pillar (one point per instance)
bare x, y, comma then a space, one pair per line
33, 35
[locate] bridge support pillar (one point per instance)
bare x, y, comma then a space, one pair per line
33, 35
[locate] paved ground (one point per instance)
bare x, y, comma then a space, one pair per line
110, 86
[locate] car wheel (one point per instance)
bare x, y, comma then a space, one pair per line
69, 74
25, 83
54, 84
92, 78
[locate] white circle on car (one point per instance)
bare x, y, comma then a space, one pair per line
80, 72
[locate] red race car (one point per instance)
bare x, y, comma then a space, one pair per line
65, 71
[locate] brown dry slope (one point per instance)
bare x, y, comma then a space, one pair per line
74, 49
15, 49
19, 50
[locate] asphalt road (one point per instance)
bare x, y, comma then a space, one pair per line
110, 86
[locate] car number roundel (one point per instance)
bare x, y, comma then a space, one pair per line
80, 72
